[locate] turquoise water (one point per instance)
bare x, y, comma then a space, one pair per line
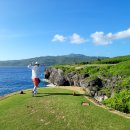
14, 79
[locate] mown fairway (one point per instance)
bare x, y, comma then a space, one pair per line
56, 109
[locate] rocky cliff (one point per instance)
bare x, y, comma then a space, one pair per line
92, 85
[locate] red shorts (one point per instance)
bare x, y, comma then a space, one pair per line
36, 81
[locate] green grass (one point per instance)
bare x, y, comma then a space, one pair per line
91, 69
113, 60
56, 109
122, 68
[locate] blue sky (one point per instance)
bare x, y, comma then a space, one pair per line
33, 28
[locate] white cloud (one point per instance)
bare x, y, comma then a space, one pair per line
100, 39
59, 38
76, 39
123, 34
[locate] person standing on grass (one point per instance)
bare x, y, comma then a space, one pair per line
35, 76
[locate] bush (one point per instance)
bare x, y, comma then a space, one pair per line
105, 91
123, 84
120, 101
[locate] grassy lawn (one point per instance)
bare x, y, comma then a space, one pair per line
56, 109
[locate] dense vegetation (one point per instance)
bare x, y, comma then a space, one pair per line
107, 69
56, 109
120, 101
122, 68
51, 60
113, 60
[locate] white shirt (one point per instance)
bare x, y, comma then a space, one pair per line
35, 71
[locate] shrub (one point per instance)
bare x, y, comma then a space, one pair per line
105, 91
120, 101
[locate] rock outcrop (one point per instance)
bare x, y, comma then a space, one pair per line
59, 78
56, 76
91, 85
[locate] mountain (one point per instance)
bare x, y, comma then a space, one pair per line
52, 60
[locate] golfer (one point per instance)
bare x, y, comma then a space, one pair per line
35, 76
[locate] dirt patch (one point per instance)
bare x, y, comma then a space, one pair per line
78, 89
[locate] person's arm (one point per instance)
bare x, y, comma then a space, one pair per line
30, 66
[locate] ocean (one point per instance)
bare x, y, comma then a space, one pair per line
14, 79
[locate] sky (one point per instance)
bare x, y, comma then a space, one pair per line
34, 28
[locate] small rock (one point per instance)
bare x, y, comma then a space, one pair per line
85, 103
21, 92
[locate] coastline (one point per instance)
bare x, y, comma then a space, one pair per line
13, 93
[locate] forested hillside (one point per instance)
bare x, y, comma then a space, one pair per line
52, 60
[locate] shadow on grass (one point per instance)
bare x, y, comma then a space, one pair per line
52, 94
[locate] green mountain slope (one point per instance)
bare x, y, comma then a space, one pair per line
113, 60
51, 60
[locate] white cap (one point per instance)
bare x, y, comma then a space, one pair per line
36, 63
